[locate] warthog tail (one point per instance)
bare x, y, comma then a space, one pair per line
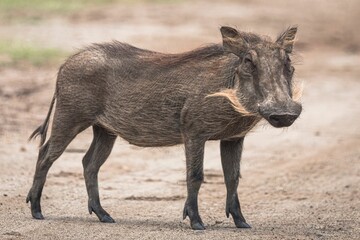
42, 129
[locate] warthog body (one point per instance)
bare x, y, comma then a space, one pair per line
151, 99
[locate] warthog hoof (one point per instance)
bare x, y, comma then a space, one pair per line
195, 220
241, 224
37, 215
35, 207
107, 219
197, 225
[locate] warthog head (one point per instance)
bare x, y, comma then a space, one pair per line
265, 83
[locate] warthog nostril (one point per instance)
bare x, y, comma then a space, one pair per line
282, 120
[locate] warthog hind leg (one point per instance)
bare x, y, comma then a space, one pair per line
97, 154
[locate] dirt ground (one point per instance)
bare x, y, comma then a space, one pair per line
297, 183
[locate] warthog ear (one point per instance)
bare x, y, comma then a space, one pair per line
233, 41
287, 39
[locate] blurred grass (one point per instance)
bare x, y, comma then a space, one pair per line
20, 10
49, 5
19, 54
33, 10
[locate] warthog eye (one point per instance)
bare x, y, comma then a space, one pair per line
248, 63
247, 60
292, 70
288, 68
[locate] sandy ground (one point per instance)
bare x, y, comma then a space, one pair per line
298, 183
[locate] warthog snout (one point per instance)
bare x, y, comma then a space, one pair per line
282, 120
279, 117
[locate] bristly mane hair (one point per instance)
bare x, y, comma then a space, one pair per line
254, 38
112, 49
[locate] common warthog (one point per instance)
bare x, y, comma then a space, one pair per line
218, 92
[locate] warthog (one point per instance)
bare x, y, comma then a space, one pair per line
151, 99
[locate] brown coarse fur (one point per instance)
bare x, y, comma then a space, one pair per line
151, 99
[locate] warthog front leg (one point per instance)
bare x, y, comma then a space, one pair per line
230, 160
97, 154
194, 151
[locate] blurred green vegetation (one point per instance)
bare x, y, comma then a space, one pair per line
22, 54
49, 5
20, 10
33, 10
